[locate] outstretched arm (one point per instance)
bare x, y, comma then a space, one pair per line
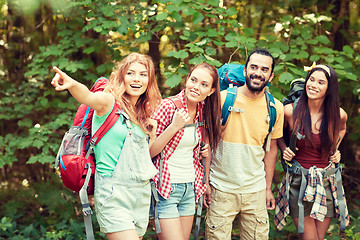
99, 101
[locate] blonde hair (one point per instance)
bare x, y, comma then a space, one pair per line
147, 102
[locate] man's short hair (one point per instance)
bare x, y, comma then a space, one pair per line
264, 52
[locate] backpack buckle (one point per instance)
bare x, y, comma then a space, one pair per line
234, 109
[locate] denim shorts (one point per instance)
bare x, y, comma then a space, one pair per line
180, 203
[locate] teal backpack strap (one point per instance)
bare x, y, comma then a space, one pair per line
231, 93
272, 110
271, 118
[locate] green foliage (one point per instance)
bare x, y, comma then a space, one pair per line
54, 208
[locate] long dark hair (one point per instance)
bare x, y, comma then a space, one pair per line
330, 123
211, 111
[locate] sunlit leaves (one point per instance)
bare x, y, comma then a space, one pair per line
323, 39
161, 16
231, 11
197, 18
314, 57
182, 54
193, 48
286, 78
348, 50
173, 80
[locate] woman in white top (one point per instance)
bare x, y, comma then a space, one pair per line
178, 148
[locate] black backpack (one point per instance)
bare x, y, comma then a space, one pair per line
296, 88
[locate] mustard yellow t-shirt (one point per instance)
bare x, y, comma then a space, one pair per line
238, 162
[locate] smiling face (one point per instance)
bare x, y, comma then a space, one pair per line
317, 85
136, 81
199, 85
258, 72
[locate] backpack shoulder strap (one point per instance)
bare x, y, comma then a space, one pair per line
272, 110
231, 93
176, 101
271, 118
179, 105
294, 134
99, 85
104, 128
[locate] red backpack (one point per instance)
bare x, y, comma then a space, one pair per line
75, 158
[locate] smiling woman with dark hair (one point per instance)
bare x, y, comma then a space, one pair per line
321, 123
178, 148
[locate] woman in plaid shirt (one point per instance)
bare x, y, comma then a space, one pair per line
322, 124
178, 149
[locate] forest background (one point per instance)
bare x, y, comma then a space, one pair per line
86, 37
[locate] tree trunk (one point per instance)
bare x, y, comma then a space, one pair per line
14, 55
154, 52
341, 27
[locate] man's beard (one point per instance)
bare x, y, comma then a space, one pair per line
257, 88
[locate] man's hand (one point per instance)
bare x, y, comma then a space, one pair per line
270, 200
207, 196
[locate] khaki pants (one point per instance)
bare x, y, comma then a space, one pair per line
251, 211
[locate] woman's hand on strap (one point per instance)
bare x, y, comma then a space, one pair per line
335, 157
180, 118
204, 151
288, 154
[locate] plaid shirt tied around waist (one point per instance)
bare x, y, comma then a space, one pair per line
314, 192
163, 115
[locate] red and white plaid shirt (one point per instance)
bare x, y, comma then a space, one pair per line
163, 115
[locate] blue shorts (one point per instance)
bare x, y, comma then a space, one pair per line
180, 203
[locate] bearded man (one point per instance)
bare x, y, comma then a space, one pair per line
241, 171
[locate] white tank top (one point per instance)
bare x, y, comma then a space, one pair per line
181, 162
